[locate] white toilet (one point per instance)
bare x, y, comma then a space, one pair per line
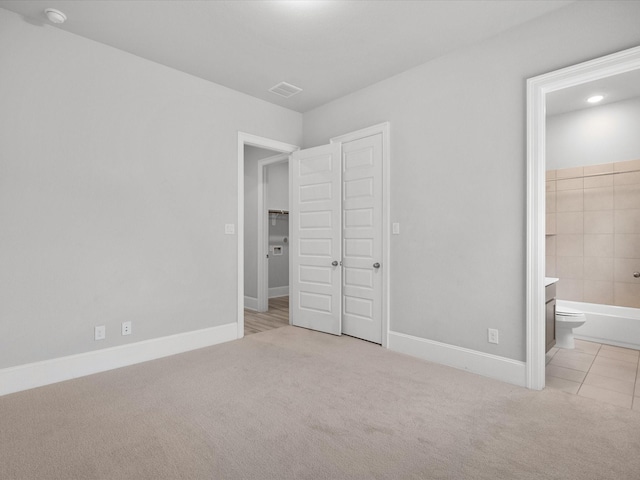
566, 320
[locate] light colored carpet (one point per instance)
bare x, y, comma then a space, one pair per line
292, 403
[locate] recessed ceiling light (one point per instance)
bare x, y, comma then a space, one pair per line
55, 16
595, 99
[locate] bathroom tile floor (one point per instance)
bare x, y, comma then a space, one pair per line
602, 372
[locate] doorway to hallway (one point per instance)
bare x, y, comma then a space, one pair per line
275, 317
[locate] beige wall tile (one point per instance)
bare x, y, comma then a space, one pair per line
627, 221
627, 245
598, 268
570, 267
570, 245
550, 245
598, 245
626, 166
573, 222
598, 198
597, 169
631, 178
626, 196
570, 200
626, 295
599, 181
570, 172
570, 289
599, 292
623, 269
550, 202
570, 184
550, 225
550, 186
596, 222
550, 266
551, 175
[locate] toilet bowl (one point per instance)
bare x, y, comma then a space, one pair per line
566, 320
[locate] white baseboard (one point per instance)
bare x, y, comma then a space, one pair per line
251, 303
279, 291
37, 374
500, 368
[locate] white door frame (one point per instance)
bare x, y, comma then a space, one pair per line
263, 229
384, 129
537, 89
260, 142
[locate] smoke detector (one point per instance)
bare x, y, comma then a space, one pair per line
55, 16
285, 89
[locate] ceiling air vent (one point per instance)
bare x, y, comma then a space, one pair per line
285, 89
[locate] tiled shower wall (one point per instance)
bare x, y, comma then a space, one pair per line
593, 233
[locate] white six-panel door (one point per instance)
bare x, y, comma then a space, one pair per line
362, 238
315, 232
336, 238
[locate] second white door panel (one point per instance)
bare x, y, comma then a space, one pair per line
362, 238
315, 218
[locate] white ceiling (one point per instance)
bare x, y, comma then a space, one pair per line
327, 48
615, 89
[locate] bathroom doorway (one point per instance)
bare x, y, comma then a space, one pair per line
540, 90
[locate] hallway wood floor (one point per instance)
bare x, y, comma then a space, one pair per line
276, 317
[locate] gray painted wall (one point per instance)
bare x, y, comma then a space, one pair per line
278, 199
458, 176
117, 176
278, 264
604, 134
278, 191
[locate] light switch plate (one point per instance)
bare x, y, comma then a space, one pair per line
229, 228
396, 229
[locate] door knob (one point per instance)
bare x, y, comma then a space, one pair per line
636, 274
334, 263
376, 265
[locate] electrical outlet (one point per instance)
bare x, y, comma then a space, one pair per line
492, 334
126, 328
229, 228
100, 332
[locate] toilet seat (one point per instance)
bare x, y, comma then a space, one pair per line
568, 312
